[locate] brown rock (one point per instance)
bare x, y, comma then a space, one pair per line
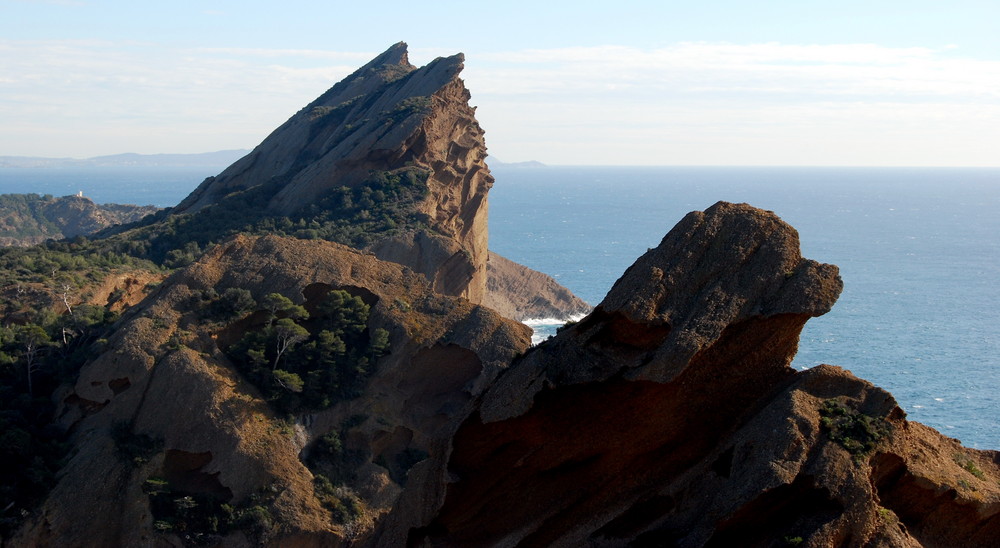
388, 115
670, 417
521, 293
164, 375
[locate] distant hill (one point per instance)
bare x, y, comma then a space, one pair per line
211, 159
494, 162
28, 219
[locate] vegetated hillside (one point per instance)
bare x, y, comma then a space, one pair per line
61, 299
28, 219
281, 389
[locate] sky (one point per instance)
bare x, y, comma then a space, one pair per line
847, 83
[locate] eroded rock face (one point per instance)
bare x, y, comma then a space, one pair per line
165, 376
670, 417
387, 116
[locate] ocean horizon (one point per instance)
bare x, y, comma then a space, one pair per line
918, 249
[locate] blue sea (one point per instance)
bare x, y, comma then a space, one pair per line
918, 249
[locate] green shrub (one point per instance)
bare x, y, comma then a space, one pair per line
133, 448
202, 519
342, 504
855, 431
307, 362
969, 465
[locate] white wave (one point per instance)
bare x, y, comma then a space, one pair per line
552, 321
542, 328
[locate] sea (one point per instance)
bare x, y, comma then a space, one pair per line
918, 250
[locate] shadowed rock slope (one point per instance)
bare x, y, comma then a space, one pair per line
670, 417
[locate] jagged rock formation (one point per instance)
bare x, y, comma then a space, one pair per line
670, 417
29, 219
165, 377
667, 417
387, 117
521, 293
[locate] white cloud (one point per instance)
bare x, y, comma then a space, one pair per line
694, 103
699, 103
763, 68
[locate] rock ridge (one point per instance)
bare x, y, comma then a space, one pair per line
670, 417
387, 117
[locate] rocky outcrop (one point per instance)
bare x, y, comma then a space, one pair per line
521, 293
670, 417
166, 384
386, 118
29, 219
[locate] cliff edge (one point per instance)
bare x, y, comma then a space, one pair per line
389, 119
670, 417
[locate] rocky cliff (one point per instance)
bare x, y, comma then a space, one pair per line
28, 219
387, 119
670, 417
284, 391
521, 293
667, 417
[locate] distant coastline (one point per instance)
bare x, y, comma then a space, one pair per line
221, 157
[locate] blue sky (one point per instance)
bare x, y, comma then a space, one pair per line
655, 83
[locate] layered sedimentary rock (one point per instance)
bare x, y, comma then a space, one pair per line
388, 116
670, 417
521, 293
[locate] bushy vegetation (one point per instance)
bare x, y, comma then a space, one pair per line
969, 465
306, 362
355, 216
35, 358
341, 502
333, 466
77, 261
201, 519
855, 431
23, 216
134, 448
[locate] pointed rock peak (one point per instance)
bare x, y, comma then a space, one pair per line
392, 59
395, 55
340, 160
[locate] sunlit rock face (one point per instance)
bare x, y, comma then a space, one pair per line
388, 117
